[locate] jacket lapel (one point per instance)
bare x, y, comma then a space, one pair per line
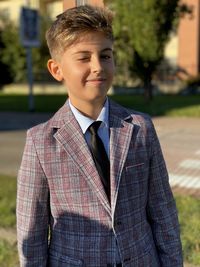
70, 136
120, 136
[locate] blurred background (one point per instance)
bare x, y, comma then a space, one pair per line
157, 55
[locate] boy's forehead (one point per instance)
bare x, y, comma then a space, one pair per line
93, 38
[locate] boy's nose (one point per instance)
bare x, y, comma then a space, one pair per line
96, 65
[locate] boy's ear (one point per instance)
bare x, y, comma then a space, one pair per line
54, 69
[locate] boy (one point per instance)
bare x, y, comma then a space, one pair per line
71, 211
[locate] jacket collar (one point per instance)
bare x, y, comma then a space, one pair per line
117, 115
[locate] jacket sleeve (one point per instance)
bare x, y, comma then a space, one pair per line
32, 209
161, 209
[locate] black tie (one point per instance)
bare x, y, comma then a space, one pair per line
100, 156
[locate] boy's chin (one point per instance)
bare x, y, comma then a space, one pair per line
98, 99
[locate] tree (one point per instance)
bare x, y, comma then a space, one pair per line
142, 29
4, 68
13, 54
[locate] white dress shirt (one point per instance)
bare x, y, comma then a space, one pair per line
85, 122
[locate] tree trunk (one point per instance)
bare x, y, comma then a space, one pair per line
148, 89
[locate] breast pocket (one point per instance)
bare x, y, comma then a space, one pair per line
134, 181
136, 173
137, 165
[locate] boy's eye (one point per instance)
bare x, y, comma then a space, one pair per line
83, 58
105, 56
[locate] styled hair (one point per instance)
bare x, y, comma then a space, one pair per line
76, 22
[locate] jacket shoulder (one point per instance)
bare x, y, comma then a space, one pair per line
138, 117
47, 129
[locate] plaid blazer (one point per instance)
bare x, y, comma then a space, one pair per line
63, 215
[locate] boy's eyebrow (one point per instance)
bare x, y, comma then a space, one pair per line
86, 51
107, 49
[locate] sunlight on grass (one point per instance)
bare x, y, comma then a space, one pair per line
161, 105
8, 254
193, 111
7, 201
189, 218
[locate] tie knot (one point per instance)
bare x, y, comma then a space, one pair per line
93, 128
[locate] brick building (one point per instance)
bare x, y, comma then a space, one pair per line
189, 40
72, 3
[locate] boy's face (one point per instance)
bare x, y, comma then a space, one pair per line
87, 69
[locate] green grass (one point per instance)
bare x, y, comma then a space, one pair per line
8, 254
189, 217
7, 201
8, 250
163, 105
43, 103
170, 105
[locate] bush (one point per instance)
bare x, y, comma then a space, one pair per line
13, 54
194, 81
192, 85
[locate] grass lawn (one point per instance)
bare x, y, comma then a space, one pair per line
8, 254
170, 105
189, 218
8, 248
7, 201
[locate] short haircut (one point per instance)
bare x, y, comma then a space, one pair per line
73, 23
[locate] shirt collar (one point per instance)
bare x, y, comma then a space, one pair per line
85, 122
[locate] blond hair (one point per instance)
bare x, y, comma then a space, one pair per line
73, 23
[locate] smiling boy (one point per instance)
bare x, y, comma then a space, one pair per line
70, 210
87, 69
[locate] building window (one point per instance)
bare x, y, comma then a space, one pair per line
81, 2
5, 13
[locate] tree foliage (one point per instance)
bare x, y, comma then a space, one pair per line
142, 29
13, 54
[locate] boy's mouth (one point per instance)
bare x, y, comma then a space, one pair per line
96, 80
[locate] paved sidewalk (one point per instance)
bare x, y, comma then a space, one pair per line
13, 126
180, 142
179, 138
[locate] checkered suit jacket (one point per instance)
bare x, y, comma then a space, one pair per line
59, 189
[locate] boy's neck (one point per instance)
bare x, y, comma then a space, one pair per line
89, 109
